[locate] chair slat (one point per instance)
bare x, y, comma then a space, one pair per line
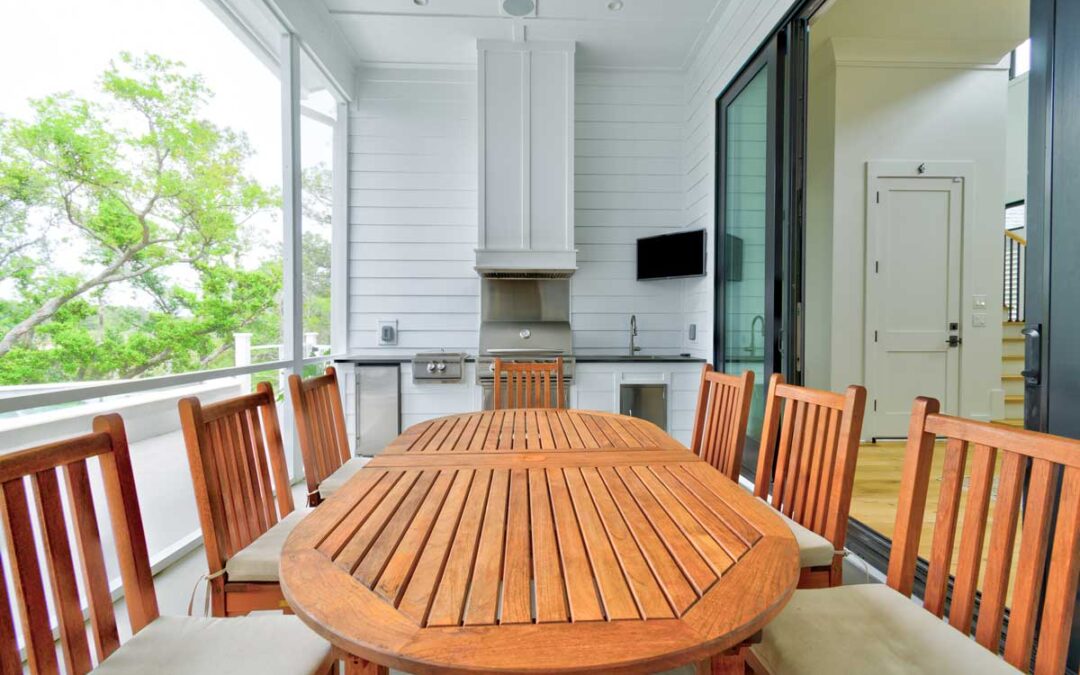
1034, 542
1061, 584
26, 578
262, 469
60, 563
1001, 549
92, 560
969, 559
9, 645
945, 526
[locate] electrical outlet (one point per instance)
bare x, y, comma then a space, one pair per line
978, 320
388, 332
692, 332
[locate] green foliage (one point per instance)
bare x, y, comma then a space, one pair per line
131, 195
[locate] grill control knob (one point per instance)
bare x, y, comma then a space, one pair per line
491, 367
431, 367
525, 334
440, 366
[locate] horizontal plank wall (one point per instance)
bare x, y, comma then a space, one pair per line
628, 184
412, 210
740, 28
413, 216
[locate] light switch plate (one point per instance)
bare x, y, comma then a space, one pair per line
388, 332
978, 320
979, 301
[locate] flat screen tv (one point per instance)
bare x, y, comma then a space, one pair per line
671, 256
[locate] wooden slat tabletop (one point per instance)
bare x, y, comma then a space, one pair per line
538, 541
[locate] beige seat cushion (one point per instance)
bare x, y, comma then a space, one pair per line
334, 481
868, 628
197, 645
258, 561
814, 549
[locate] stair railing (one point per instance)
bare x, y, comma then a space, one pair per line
1013, 287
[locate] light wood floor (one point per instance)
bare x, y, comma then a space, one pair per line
877, 489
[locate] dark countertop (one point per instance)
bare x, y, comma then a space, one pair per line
379, 360
638, 358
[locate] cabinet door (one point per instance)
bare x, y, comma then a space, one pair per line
551, 154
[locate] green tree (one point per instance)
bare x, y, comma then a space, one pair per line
135, 191
317, 202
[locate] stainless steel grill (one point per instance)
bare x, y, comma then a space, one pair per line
523, 321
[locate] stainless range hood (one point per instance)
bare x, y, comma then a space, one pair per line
526, 160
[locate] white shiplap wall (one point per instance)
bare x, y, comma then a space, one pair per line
628, 184
412, 216
739, 29
412, 210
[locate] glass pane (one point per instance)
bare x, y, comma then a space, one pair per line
744, 243
318, 114
140, 190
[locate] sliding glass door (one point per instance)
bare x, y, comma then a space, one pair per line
745, 277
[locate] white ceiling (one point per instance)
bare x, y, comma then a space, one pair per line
643, 34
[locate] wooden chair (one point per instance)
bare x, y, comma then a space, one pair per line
280, 644
1044, 573
723, 408
807, 465
528, 385
324, 443
234, 447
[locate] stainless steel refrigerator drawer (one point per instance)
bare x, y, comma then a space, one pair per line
644, 401
378, 407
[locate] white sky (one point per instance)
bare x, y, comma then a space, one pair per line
48, 46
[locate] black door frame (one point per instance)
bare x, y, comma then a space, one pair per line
769, 60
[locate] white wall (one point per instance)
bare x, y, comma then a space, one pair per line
1016, 141
413, 211
628, 184
740, 29
919, 111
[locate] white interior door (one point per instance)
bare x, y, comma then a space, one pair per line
913, 298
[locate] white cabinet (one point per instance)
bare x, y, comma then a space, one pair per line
597, 386
526, 181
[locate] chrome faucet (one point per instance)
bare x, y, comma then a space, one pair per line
634, 349
753, 334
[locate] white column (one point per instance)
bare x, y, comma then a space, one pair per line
242, 357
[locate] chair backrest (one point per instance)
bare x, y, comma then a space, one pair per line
320, 424
723, 408
234, 446
1043, 462
45, 468
808, 461
528, 385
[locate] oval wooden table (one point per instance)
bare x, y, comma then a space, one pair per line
539, 541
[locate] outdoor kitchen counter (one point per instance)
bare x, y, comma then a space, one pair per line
638, 358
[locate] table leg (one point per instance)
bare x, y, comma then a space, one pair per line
731, 662
354, 665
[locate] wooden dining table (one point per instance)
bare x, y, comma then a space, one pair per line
539, 541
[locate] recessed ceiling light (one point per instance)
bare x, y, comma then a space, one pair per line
420, 3
615, 5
